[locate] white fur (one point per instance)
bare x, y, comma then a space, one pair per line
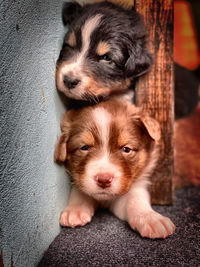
102, 120
79, 210
87, 30
137, 198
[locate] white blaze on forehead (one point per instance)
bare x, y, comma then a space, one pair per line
102, 119
87, 30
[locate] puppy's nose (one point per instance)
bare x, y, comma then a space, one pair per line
70, 82
104, 180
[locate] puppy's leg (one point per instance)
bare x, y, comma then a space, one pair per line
79, 210
140, 215
143, 218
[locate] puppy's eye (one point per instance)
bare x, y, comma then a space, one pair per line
66, 45
105, 57
85, 148
126, 149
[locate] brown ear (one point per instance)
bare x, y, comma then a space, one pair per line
60, 153
152, 126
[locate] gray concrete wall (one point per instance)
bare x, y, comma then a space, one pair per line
33, 189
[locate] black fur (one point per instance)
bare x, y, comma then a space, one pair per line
124, 30
70, 12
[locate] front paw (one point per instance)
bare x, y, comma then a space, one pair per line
75, 216
152, 225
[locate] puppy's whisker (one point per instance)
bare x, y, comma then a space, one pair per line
90, 97
87, 97
93, 97
96, 98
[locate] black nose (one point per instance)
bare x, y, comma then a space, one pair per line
69, 82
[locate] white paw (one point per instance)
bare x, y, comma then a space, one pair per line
152, 225
75, 216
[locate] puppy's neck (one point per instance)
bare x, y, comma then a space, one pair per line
127, 96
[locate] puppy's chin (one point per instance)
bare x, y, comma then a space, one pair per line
76, 93
103, 196
99, 194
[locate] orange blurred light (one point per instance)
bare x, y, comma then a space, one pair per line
185, 41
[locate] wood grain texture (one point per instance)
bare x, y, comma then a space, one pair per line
155, 90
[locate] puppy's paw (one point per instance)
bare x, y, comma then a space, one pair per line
152, 225
75, 216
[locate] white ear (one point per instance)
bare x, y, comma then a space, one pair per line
152, 126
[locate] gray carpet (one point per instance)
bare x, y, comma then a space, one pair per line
107, 241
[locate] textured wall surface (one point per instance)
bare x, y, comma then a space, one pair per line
33, 189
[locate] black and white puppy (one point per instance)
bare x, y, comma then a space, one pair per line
103, 51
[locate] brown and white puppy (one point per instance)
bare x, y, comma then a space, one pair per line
104, 49
110, 150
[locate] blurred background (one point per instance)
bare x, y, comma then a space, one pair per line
187, 92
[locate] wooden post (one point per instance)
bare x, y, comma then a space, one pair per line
154, 91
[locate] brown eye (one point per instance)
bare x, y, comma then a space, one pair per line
126, 149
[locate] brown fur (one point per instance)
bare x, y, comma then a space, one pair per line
94, 87
72, 39
102, 48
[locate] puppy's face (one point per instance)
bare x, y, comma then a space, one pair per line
103, 50
106, 147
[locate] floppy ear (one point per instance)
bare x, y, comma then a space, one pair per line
70, 12
139, 61
60, 153
152, 126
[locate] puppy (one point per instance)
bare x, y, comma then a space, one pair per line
103, 51
110, 150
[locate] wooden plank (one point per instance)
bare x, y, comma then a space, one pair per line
154, 91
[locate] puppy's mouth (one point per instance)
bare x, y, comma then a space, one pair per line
81, 92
